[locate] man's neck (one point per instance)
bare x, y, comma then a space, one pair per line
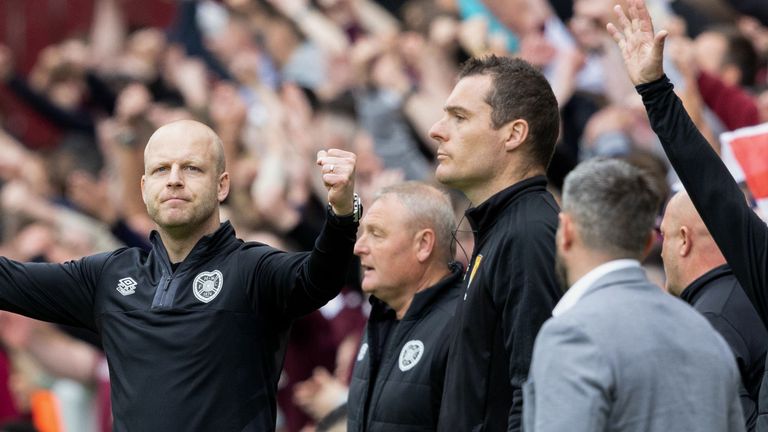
179, 243
430, 278
698, 269
482, 192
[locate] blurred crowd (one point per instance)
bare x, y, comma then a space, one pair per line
279, 80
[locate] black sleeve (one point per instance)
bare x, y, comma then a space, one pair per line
100, 93
66, 119
739, 233
526, 291
59, 293
289, 285
186, 32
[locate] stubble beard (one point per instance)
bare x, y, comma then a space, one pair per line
189, 221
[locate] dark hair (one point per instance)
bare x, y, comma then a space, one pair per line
519, 91
742, 54
613, 204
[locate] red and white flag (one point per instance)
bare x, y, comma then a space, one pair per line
745, 153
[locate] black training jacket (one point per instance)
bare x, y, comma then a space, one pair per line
196, 349
397, 381
511, 290
739, 233
718, 296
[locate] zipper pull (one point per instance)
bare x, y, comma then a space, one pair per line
165, 283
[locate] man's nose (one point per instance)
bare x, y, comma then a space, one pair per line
436, 132
360, 246
174, 177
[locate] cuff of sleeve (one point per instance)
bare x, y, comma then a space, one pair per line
346, 220
340, 221
653, 87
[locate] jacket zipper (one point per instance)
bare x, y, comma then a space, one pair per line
165, 283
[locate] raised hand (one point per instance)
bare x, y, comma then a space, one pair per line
641, 49
132, 102
338, 170
320, 394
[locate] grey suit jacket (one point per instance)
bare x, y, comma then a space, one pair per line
628, 357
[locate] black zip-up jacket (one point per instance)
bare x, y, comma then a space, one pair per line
739, 233
511, 290
195, 349
397, 382
718, 296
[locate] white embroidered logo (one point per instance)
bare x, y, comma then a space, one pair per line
361, 353
126, 286
410, 355
207, 285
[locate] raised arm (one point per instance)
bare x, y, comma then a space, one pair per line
739, 233
288, 285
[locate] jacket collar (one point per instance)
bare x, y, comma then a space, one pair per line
482, 217
582, 286
207, 245
696, 289
625, 276
422, 301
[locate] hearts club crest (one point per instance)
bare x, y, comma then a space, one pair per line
207, 285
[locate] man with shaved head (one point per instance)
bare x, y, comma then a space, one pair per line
697, 273
195, 330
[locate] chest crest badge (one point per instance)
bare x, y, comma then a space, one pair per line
126, 286
410, 355
207, 285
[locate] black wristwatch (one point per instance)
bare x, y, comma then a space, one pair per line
354, 217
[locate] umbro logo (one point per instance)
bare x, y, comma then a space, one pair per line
126, 286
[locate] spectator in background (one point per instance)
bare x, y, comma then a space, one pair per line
696, 272
619, 354
495, 141
406, 255
725, 65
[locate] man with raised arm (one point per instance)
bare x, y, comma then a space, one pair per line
739, 233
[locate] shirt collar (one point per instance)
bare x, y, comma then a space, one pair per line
578, 289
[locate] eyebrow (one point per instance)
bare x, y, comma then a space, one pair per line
455, 109
183, 162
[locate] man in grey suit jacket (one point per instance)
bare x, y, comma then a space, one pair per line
619, 354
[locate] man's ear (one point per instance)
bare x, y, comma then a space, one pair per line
223, 187
515, 134
686, 241
424, 242
143, 194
